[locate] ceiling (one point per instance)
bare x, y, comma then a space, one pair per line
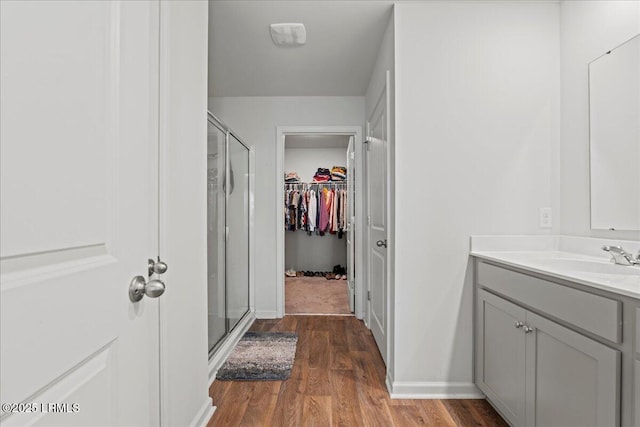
343, 38
316, 141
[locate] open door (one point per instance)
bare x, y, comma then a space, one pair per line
79, 157
376, 187
351, 223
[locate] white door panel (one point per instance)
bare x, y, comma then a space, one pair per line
78, 136
377, 225
351, 174
378, 300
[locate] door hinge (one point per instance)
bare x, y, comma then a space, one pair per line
368, 295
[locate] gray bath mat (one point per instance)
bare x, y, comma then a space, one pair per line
261, 356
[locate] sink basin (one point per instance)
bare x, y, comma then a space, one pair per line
590, 267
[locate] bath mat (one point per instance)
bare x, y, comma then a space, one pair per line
261, 356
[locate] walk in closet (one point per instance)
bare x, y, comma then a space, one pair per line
227, 231
316, 209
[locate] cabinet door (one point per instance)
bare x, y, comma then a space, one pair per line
637, 392
571, 380
500, 354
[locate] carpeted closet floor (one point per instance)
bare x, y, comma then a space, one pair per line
315, 295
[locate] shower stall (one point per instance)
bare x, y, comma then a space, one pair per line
228, 210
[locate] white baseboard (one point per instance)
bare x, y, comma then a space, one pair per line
204, 414
433, 390
228, 345
266, 314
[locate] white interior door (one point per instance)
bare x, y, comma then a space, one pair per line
376, 156
351, 223
78, 161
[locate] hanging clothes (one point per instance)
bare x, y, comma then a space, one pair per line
311, 212
318, 208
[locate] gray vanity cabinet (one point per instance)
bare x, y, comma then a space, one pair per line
636, 363
572, 380
501, 355
540, 373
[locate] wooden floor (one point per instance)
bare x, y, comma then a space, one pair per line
337, 380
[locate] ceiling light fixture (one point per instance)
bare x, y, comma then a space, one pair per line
288, 34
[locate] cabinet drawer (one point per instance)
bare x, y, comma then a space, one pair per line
599, 315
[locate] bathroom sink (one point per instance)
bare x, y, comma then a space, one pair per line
589, 267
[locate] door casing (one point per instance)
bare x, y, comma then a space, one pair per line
356, 132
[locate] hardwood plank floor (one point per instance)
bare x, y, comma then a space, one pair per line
338, 379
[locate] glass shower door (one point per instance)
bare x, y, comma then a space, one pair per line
227, 232
216, 145
237, 262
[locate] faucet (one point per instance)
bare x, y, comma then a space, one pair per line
620, 256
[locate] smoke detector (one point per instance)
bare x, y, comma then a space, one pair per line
288, 34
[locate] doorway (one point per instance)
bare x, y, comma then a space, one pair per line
317, 212
309, 259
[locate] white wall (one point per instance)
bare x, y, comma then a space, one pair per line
305, 161
301, 251
255, 120
589, 28
477, 107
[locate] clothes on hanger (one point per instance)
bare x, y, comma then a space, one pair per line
318, 208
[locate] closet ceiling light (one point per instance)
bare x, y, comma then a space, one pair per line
288, 34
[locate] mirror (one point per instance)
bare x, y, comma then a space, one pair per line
614, 115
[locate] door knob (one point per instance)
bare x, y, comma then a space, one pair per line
527, 329
157, 267
139, 287
381, 243
518, 324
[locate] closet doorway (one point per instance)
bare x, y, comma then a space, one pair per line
318, 241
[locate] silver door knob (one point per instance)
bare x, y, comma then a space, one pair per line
157, 267
139, 287
527, 330
381, 243
518, 324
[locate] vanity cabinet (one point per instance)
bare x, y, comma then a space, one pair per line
501, 355
540, 373
541, 359
637, 368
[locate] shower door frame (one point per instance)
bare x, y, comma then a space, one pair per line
360, 279
221, 348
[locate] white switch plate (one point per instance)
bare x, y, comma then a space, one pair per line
545, 218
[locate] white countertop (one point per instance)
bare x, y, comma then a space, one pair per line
548, 255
